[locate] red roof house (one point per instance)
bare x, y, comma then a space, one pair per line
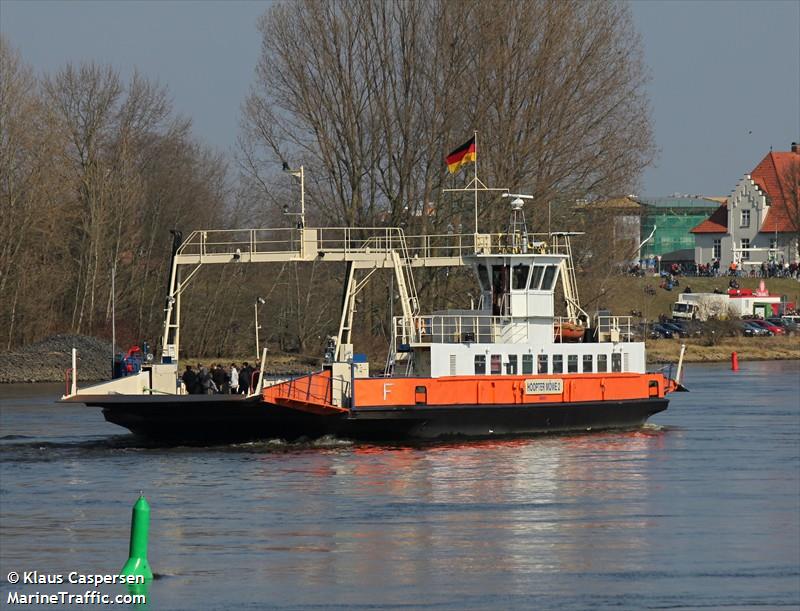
760, 220
770, 176
716, 223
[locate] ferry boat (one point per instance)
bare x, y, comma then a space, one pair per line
507, 366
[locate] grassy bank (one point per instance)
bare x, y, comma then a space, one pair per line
623, 293
748, 349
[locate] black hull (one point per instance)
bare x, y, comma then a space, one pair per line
220, 418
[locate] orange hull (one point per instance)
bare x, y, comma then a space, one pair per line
508, 390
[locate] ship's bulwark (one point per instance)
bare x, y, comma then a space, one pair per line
214, 419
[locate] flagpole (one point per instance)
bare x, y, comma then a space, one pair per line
475, 138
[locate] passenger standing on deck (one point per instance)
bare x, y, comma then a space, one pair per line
218, 375
207, 386
244, 378
233, 374
189, 378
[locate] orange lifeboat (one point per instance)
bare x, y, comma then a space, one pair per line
568, 332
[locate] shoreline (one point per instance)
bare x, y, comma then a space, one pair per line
747, 349
36, 364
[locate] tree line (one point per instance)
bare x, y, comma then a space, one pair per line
368, 96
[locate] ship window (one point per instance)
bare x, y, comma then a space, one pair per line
602, 363
500, 278
572, 363
542, 363
587, 363
616, 362
536, 277
483, 278
527, 364
497, 364
520, 277
549, 278
500, 284
558, 363
511, 366
480, 364
452, 364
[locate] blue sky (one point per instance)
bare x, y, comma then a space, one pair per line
725, 75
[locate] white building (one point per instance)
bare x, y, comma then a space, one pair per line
759, 222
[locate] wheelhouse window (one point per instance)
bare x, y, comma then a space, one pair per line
520, 277
480, 364
558, 363
527, 364
497, 364
549, 277
572, 363
542, 363
536, 277
500, 283
511, 366
500, 278
483, 278
602, 363
588, 365
616, 362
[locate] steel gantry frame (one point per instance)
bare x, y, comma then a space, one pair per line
366, 249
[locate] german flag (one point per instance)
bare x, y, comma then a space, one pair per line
463, 154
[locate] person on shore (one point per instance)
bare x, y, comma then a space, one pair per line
233, 376
189, 378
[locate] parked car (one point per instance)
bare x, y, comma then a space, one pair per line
787, 325
676, 329
773, 329
659, 331
752, 330
693, 328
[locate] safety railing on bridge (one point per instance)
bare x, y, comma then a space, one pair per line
615, 329
460, 329
228, 241
351, 240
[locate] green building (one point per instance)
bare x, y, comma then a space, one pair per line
673, 218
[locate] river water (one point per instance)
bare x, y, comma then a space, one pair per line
699, 509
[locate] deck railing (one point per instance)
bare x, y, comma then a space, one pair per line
615, 329
227, 241
362, 240
461, 329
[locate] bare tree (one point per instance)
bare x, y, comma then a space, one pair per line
373, 94
94, 171
31, 196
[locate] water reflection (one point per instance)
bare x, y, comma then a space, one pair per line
699, 509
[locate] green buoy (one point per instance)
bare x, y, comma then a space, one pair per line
140, 525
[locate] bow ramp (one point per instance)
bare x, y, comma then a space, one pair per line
312, 393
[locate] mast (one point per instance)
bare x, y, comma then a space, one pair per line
475, 180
